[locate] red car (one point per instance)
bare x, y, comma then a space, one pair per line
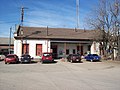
11, 58
74, 58
47, 57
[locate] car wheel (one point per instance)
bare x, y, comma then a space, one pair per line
5, 62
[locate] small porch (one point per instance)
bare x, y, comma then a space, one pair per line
64, 48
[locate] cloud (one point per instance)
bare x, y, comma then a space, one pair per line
42, 13
50, 15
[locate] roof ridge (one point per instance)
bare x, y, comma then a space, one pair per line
58, 28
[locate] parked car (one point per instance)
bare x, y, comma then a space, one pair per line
2, 57
47, 57
74, 58
11, 58
25, 58
92, 57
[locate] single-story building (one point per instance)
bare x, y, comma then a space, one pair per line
60, 41
6, 45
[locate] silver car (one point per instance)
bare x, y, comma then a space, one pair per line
2, 57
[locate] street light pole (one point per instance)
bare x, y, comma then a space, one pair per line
10, 41
21, 35
21, 31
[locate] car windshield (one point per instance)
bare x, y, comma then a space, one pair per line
26, 56
94, 55
47, 54
76, 55
10, 56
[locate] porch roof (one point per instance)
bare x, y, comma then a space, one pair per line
56, 33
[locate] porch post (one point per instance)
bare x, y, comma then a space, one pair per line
47, 45
78, 48
65, 50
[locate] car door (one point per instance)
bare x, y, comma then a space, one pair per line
88, 57
91, 57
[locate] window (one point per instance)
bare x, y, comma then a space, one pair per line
38, 49
67, 51
47, 54
73, 51
78, 49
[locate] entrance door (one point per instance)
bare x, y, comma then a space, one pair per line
80, 50
38, 49
54, 50
25, 49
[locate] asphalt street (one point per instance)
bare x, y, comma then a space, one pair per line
60, 75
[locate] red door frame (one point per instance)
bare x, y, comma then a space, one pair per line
25, 48
38, 49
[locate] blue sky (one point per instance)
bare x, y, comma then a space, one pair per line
42, 13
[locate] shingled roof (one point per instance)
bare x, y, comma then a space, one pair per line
5, 41
56, 33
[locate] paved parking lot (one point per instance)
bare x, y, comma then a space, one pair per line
103, 75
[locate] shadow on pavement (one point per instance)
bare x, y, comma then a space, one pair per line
54, 62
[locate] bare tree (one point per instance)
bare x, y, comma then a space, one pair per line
106, 17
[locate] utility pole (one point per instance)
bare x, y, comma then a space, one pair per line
22, 15
21, 31
77, 13
10, 40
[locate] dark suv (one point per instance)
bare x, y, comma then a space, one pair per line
25, 58
74, 58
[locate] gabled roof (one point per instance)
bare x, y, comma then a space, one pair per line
56, 33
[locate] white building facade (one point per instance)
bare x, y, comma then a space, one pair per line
35, 46
59, 48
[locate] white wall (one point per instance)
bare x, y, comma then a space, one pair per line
95, 48
85, 48
71, 47
46, 43
68, 46
17, 47
32, 46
